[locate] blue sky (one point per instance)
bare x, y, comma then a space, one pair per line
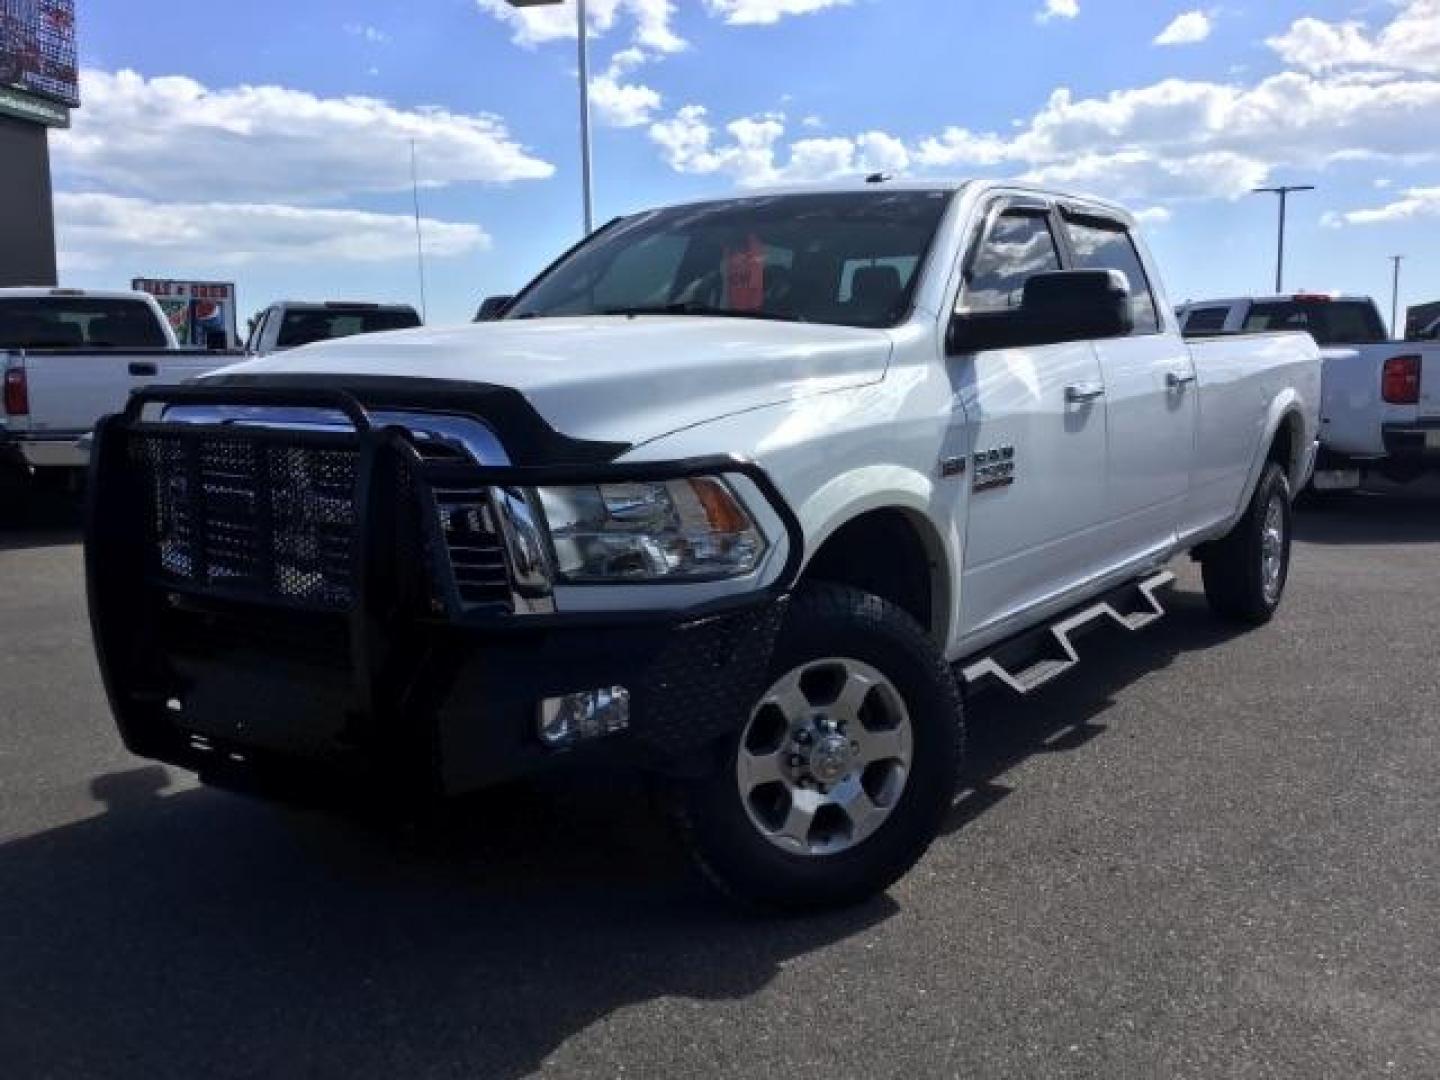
269, 143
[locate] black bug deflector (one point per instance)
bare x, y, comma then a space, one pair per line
281, 595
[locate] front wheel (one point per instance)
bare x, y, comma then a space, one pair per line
1246, 571
846, 766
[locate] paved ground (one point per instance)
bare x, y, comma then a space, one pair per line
1207, 856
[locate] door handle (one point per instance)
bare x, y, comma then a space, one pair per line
1177, 380
1079, 393
140, 367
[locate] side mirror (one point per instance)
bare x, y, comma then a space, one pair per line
1064, 305
492, 307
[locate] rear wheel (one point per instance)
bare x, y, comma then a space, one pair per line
846, 766
1246, 571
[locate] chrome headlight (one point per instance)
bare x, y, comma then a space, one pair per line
689, 529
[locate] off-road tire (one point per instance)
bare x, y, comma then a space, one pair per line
1234, 567
836, 621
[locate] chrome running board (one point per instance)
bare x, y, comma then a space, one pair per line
1050, 652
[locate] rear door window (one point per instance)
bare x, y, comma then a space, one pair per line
1110, 247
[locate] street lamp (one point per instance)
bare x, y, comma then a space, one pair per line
1284, 193
1395, 299
582, 32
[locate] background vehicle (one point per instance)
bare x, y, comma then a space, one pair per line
1380, 409
290, 323
743, 490
69, 356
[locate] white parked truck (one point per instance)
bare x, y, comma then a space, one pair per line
745, 491
288, 324
1380, 407
68, 357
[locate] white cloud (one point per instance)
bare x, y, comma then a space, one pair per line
156, 136
1410, 42
1058, 9
766, 12
1417, 203
753, 156
1154, 216
651, 20
96, 230
1174, 139
621, 104
1187, 29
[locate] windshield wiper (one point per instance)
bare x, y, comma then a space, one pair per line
699, 310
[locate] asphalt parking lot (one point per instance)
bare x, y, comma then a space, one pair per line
1208, 854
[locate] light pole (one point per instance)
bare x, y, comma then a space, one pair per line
582, 33
1284, 193
1395, 299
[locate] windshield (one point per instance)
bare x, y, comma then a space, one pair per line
302, 327
1329, 322
56, 322
851, 259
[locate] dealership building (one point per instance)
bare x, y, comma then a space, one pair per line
38, 88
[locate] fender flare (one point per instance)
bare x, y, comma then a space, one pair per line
847, 497
1286, 408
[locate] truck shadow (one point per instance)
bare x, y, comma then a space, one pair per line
177, 930
1371, 519
44, 519
197, 933
1004, 730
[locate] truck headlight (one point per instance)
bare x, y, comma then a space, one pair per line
676, 530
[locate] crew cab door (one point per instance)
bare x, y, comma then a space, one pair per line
1150, 397
1037, 467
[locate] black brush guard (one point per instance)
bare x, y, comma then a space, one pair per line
280, 598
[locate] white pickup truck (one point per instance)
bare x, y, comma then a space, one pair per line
68, 357
1380, 407
745, 491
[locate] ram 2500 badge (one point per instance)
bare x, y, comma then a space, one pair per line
744, 490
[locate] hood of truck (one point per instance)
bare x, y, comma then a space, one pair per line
612, 378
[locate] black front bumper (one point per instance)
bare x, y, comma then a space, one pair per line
386, 674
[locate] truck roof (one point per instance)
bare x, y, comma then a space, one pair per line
37, 292
856, 185
1280, 298
338, 305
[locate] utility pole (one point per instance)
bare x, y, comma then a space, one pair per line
1395, 299
582, 32
1284, 192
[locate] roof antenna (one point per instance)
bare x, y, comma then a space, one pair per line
878, 178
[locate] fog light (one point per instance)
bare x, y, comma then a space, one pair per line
585, 715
